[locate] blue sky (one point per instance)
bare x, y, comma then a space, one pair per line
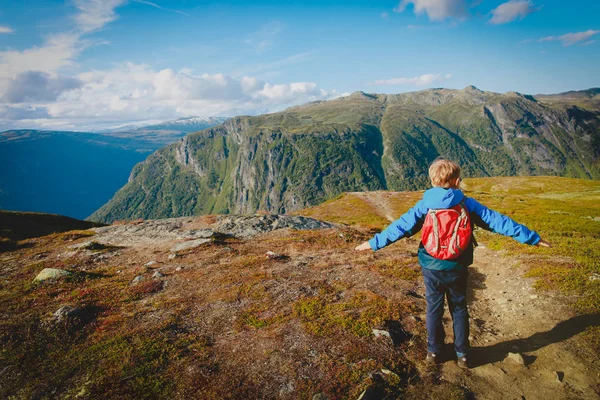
90, 64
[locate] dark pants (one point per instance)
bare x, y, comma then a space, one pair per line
453, 286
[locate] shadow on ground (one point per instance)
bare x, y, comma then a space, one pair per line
476, 282
562, 331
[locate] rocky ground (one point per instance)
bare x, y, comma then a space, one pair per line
525, 341
268, 306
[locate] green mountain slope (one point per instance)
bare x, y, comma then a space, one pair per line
307, 154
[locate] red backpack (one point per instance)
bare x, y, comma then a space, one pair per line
447, 232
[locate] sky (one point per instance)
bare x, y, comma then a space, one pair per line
95, 64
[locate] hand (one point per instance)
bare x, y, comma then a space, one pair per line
543, 243
364, 246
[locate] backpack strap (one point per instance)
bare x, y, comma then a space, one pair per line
461, 220
436, 229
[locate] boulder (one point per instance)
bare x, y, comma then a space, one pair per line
190, 244
197, 234
516, 357
51, 273
246, 226
88, 245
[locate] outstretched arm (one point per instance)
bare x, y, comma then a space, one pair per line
504, 225
407, 225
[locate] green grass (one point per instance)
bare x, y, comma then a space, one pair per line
356, 313
564, 211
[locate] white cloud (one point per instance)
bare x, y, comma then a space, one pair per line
436, 10
5, 29
570, 39
36, 93
34, 86
94, 14
384, 15
151, 4
423, 80
512, 10
133, 92
58, 51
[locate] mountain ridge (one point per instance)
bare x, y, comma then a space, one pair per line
305, 155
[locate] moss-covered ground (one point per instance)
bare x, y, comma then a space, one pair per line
226, 322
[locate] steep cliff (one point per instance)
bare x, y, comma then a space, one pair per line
307, 154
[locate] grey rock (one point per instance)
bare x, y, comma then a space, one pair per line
272, 255
197, 234
516, 357
88, 245
137, 280
172, 256
243, 226
72, 317
51, 274
66, 312
381, 333
151, 263
320, 396
190, 244
157, 275
287, 388
179, 268
68, 254
168, 230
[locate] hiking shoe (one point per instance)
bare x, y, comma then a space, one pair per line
462, 362
432, 358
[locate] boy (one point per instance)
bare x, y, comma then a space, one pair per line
448, 276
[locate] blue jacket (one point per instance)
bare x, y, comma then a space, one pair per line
412, 221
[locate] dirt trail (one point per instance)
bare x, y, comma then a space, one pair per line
509, 315
380, 202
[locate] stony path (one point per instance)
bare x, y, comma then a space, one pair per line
508, 315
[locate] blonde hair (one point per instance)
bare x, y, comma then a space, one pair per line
443, 173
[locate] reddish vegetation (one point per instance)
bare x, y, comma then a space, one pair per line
225, 320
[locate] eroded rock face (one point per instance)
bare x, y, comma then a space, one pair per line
306, 155
185, 233
247, 226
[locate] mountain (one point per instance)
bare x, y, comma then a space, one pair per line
307, 154
165, 133
190, 124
